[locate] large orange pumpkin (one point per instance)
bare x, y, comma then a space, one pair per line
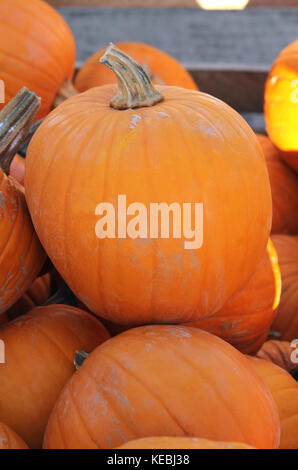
39, 351
245, 320
284, 390
284, 189
281, 103
22, 256
181, 443
163, 380
189, 148
37, 50
286, 320
9, 439
161, 68
36, 295
281, 353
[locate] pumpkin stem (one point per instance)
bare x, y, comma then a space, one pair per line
135, 87
15, 122
80, 358
65, 91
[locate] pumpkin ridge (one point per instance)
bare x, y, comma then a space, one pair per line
145, 386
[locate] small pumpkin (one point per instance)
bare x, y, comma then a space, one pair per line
181, 443
210, 156
37, 51
286, 320
163, 380
278, 352
284, 189
161, 68
9, 439
281, 104
36, 295
39, 351
22, 255
245, 320
284, 390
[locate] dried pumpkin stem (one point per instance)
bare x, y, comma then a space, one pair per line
66, 91
15, 122
80, 358
135, 87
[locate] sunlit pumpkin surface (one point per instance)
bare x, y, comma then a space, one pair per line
281, 101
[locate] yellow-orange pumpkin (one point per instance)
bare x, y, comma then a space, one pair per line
188, 147
39, 351
284, 189
286, 320
284, 390
37, 50
9, 439
163, 380
281, 353
245, 320
181, 443
161, 68
22, 256
281, 104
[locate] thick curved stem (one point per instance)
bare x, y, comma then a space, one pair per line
135, 87
80, 358
65, 91
15, 122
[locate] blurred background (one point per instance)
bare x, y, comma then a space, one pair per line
227, 45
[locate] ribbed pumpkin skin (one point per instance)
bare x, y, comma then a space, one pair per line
163, 380
37, 50
39, 352
161, 68
181, 443
36, 295
286, 320
279, 353
284, 390
281, 103
17, 169
284, 189
89, 158
22, 255
245, 320
9, 439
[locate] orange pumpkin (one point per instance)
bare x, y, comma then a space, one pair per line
17, 169
181, 443
37, 51
3, 318
9, 439
281, 104
245, 320
210, 156
39, 351
286, 320
36, 295
280, 353
284, 189
22, 256
161, 68
284, 390
163, 380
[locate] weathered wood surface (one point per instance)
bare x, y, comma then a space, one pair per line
163, 3
228, 53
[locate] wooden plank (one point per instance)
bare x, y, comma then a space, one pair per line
228, 53
162, 3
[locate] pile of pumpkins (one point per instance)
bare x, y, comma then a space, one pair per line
137, 342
